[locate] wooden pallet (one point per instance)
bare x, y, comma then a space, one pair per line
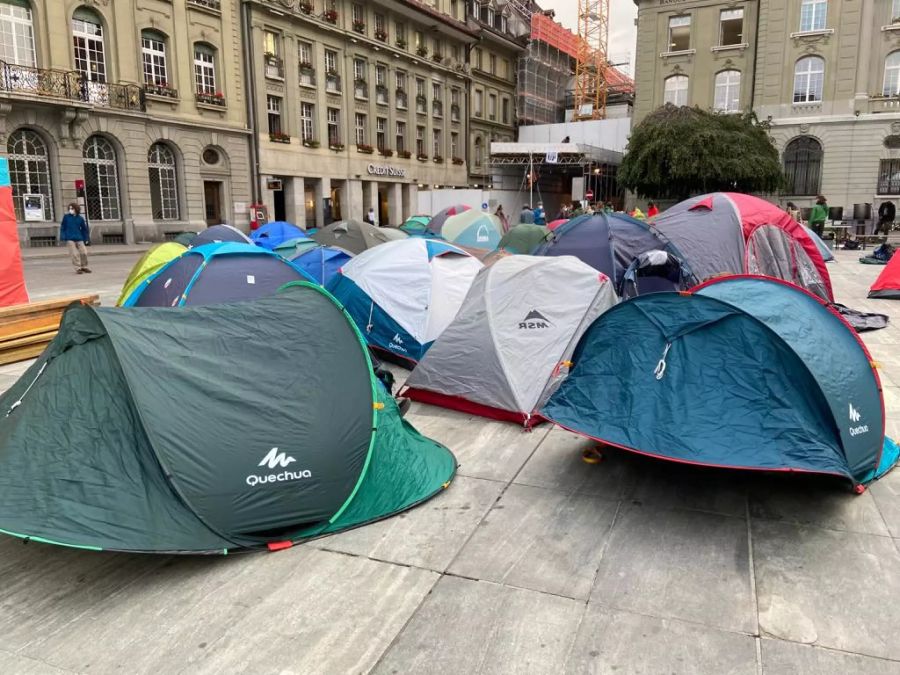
26, 330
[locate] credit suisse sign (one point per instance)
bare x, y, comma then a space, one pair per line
386, 170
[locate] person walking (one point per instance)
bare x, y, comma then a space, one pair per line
651, 209
74, 231
527, 215
818, 216
504, 221
370, 217
886, 214
792, 210
540, 218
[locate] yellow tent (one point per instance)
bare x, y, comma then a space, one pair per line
150, 263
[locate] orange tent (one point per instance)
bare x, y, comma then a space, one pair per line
12, 279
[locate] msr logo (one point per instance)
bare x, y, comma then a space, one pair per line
275, 459
855, 417
534, 320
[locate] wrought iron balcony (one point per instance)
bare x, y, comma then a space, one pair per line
69, 85
214, 5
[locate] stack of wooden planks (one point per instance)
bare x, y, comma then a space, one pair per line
25, 330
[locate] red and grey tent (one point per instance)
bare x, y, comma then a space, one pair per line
731, 233
888, 283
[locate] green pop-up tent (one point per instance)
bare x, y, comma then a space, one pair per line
207, 429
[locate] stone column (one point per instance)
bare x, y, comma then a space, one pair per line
395, 204
413, 200
323, 190
352, 203
295, 201
370, 198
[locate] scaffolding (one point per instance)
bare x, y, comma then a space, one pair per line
545, 72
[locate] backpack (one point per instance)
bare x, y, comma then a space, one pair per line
884, 252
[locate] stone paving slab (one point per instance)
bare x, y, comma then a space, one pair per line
832, 589
787, 658
613, 642
681, 565
540, 539
470, 626
886, 493
22, 665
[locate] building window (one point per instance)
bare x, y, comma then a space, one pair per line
505, 73
163, 182
679, 33
153, 58
360, 122
272, 55
731, 27
400, 30
17, 33
454, 145
205, 69
360, 81
358, 16
305, 64
87, 34
813, 14
420, 141
401, 136
454, 9
505, 110
478, 105
381, 133
332, 76
29, 171
401, 94
454, 52
273, 111
381, 27
889, 177
492, 106
676, 90
477, 53
420, 40
892, 74
809, 78
728, 91
421, 100
492, 60
101, 179
479, 152
334, 126
307, 122
437, 99
437, 142
454, 105
381, 91
895, 11
803, 166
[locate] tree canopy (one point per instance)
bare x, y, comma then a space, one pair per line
676, 152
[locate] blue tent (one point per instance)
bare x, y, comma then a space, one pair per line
608, 242
322, 263
746, 372
214, 273
277, 232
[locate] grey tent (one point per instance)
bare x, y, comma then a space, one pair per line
356, 237
220, 233
511, 342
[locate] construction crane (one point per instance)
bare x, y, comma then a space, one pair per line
591, 61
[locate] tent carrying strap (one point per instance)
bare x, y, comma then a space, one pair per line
371, 310
25, 393
661, 366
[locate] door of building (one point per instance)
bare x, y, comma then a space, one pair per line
212, 200
279, 205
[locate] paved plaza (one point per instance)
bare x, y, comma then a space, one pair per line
531, 562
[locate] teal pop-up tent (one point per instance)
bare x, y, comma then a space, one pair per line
207, 429
745, 372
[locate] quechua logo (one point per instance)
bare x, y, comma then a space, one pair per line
275, 460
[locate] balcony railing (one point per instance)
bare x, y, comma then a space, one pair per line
69, 85
215, 5
333, 83
274, 67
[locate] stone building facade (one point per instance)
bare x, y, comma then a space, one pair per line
824, 73
142, 100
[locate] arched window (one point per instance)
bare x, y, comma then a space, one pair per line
479, 151
892, 74
676, 90
803, 166
809, 77
29, 172
90, 52
163, 182
728, 91
101, 179
153, 58
16, 33
205, 69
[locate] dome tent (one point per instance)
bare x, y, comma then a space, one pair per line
356, 237
416, 225
321, 263
732, 233
276, 232
506, 350
730, 376
437, 221
213, 273
887, 285
523, 238
403, 295
144, 472
218, 234
150, 263
473, 229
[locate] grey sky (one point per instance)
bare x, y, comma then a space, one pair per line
622, 33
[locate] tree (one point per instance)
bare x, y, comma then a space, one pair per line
676, 152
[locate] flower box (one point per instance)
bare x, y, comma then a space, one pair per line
386, 152
330, 15
437, 57
306, 7
401, 43
337, 147
306, 67
364, 148
161, 89
458, 161
422, 158
381, 35
404, 154
279, 137
422, 51
311, 144
211, 99
438, 159
359, 26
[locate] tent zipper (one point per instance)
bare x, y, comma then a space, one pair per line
25, 393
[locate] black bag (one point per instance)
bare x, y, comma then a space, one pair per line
851, 245
883, 252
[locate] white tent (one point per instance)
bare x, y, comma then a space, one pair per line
511, 342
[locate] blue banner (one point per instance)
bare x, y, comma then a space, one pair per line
4, 172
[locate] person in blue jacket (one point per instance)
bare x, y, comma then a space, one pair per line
540, 218
74, 231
